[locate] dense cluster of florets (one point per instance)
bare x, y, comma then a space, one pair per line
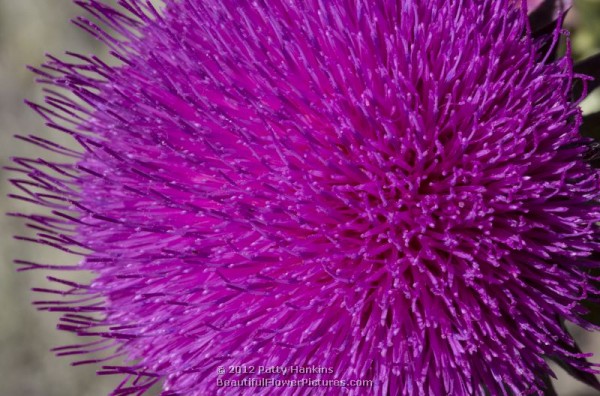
391, 189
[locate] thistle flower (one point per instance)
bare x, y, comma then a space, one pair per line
392, 191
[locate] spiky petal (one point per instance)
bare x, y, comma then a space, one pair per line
393, 191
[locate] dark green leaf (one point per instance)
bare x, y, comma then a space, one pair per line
589, 67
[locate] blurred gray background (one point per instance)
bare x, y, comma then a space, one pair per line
28, 29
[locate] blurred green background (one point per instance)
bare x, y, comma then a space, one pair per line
584, 24
28, 29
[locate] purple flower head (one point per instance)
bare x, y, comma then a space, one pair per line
388, 191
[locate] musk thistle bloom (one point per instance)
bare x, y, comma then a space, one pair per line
390, 191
